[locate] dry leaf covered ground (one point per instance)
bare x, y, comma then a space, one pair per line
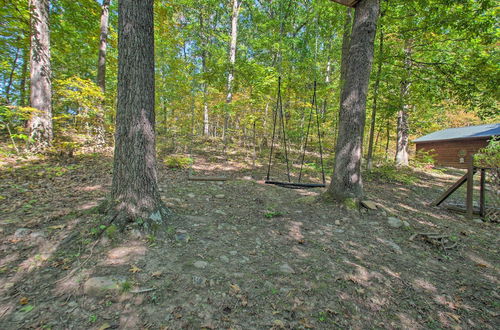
240, 254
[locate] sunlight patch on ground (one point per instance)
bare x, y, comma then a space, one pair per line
294, 231
424, 284
407, 322
125, 254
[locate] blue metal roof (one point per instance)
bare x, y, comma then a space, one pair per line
468, 132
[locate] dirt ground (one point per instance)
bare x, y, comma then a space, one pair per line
239, 255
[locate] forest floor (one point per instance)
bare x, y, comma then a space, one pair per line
239, 254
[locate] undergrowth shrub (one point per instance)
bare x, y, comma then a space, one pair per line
490, 155
389, 173
177, 161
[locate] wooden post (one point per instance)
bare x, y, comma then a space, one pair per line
470, 187
481, 193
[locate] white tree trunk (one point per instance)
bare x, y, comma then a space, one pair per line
232, 60
402, 156
40, 123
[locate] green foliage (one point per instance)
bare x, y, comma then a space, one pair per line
389, 173
424, 159
273, 214
489, 156
177, 161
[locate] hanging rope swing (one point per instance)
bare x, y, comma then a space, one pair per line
278, 116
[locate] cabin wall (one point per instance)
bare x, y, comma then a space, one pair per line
450, 153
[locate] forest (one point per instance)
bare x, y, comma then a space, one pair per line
147, 149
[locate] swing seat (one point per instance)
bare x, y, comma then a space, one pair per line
292, 185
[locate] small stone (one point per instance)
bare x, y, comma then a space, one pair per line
224, 259
244, 260
233, 253
21, 232
201, 264
477, 220
100, 286
393, 245
406, 224
191, 195
394, 222
181, 237
156, 217
285, 268
220, 212
198, 280
220, 196
37, 234
339, 231
369, 205
136, 234
337, 222
258, 241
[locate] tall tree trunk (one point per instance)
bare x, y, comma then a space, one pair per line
346, 180
100, 139
402, 156
375, 101
232, 60
135, 196
40, 123
103, 43
206, 122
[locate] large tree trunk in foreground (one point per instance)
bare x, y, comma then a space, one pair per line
346, 180
134, 195
40, 123
402, 156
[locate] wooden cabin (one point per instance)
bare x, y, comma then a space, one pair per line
453, 146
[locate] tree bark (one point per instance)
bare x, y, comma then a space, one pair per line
346, 180
206, 121
40, 123
402, 156
375, 101
103, 43
135, 196
236, 4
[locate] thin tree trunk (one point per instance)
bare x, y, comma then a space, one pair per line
40, 123
402, 156
135, 196
375, 101
11, 76
232, 60
103, 43
206, 122
388, 139
346, 180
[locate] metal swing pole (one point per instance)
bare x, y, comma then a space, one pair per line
274, 128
